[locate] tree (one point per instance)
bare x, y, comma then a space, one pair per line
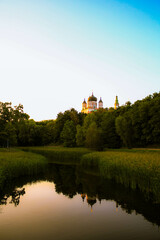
68, 134
110, 137
11, 137
94, 137
71, 115
28, 133
80, 137
128, 104
46, 132
6, 113
18, 114
90, 118
125, 130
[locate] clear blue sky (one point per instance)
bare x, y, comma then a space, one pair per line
54, 53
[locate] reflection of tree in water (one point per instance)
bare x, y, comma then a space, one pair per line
14, 197
13, 190
71, 180
65, 182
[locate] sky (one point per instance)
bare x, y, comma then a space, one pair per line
53, 54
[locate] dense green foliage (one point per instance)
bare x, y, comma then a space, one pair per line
17, 129
93, 137
131, 125
68, 134
16, 163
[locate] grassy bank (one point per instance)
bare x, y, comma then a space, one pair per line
60, 154
134, 168
15, 163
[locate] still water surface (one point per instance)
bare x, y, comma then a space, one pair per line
65, 204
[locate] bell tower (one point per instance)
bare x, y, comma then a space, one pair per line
84, 105
116, 105
100, 103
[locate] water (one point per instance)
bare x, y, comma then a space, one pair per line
68, 203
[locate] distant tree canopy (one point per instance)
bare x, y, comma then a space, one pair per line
131, 125
68, 134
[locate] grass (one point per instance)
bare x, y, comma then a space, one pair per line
15, 163
133, 168
60, 154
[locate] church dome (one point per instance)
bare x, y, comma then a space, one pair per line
92, 98
100, 101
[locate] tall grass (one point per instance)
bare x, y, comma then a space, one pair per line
132, 168
135, 169
60, 154
16, 163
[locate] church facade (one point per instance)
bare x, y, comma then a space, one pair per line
91, 104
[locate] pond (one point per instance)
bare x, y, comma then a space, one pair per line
66, 202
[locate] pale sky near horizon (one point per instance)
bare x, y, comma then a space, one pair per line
54, 53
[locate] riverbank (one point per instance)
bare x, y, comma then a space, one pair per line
59, 154
15, 163
136, 169
132, 168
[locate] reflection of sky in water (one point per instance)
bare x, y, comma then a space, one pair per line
44, 214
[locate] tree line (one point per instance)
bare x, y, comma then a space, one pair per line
131, 125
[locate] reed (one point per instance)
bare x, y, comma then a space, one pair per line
60, 154
134, 169
15, 163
